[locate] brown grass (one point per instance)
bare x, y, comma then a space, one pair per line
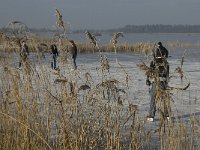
37, 112
35, 43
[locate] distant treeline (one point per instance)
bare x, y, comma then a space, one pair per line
157, 28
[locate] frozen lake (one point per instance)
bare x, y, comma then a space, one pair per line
184, 103
138, 91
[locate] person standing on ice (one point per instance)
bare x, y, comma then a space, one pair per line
24, 52
54, 52
160, 68
73, 53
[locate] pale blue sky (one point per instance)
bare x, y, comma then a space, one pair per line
100, 14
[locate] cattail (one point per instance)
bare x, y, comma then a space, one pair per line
108, 82
84, 87
60, 81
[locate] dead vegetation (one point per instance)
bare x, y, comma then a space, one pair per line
40, 109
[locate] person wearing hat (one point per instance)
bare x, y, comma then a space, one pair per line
161, 51
161, 66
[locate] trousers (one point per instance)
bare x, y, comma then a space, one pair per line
153, 94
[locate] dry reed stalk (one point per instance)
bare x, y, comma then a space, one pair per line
26, 127
77, 124
92, 39
114, 42
115, 37
60, 21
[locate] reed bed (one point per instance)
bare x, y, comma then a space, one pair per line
42, 109
60, 109
10, 44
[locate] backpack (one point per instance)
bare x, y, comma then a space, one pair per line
162, 66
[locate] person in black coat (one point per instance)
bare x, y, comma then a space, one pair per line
54, 52
73, 52
161, 51
161, 65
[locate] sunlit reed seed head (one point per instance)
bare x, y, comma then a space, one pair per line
60, 21
115, 37
92, 38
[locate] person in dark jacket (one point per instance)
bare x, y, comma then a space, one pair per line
160, 65
161, 51
24, 52
54, 52
73, 52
